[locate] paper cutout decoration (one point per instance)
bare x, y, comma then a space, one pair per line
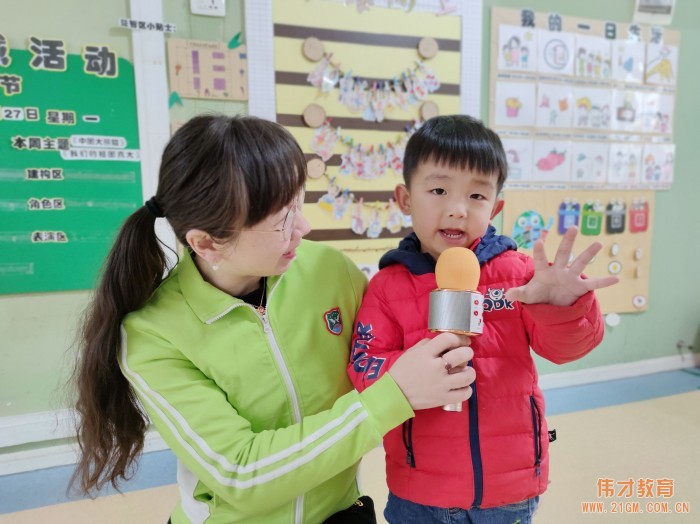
528, 228
235, 41
174, 99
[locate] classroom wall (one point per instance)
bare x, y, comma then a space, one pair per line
38, 329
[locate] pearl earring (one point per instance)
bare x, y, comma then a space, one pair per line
215, 267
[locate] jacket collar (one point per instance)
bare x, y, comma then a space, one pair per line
206, 301
409, 254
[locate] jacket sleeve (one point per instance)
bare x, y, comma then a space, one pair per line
563, 334
377, 339
253, 471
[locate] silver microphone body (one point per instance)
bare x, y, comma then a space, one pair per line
456, 311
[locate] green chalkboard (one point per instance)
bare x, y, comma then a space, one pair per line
69, 170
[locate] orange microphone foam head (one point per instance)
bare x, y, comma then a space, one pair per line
457, 268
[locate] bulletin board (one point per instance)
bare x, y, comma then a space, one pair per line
581, 103
70, 162
352, 107
620, 220
585, 109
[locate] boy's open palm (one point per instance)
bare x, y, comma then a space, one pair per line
560, 284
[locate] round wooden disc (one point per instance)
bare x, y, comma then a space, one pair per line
315, 168
313, 49
314, 115
428, 47
429, 110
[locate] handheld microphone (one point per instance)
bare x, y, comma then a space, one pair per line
456, 306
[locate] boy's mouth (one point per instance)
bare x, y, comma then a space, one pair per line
452, 234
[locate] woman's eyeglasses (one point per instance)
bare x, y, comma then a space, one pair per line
288, 223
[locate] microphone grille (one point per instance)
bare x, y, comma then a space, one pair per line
457, 268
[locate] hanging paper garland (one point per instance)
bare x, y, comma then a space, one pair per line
366, 163
336, 202
375, 99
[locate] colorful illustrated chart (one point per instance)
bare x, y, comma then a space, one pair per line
204, 69
596, 99
620, 220
70, 162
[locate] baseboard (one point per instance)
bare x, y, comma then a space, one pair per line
618, 371
51, 426
59, 455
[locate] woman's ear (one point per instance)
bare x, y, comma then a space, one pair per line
403, 198
203, 245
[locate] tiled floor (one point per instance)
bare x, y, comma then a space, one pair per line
639, 428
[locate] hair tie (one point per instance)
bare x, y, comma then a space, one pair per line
152, 205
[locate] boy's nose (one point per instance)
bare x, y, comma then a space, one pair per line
458, 210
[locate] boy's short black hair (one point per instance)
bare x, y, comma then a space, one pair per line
456, 141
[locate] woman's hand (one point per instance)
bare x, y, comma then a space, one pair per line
560, 284
433, 372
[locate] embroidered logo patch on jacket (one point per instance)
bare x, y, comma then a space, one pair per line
334, 321
496, 299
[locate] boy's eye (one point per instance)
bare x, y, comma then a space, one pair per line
477, 196
438, 191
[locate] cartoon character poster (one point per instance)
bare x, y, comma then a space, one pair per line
624, 164
515, 104
592, 57
555, 52
589, 162
592, 108
658, 164
554, 106
517, 48
628, 61
519, 155
661, 64
627, 110
552, 161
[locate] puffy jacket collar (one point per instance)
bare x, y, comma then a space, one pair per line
409, 254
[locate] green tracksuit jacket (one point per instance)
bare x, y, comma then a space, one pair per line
259, 410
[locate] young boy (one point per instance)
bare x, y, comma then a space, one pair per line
489, 462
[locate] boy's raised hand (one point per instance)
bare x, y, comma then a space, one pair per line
560, 284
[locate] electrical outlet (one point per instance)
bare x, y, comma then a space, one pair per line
208, 7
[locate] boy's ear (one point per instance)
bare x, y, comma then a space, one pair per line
203, 245
403, 198
497, 207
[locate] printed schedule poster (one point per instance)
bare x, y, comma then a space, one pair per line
70, 171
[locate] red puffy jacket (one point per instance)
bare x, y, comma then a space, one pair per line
494, 452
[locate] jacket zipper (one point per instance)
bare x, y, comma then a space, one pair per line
475, 447
407, 434
536, 430
291, 391
299, 503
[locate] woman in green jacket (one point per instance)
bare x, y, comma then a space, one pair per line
238, 355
